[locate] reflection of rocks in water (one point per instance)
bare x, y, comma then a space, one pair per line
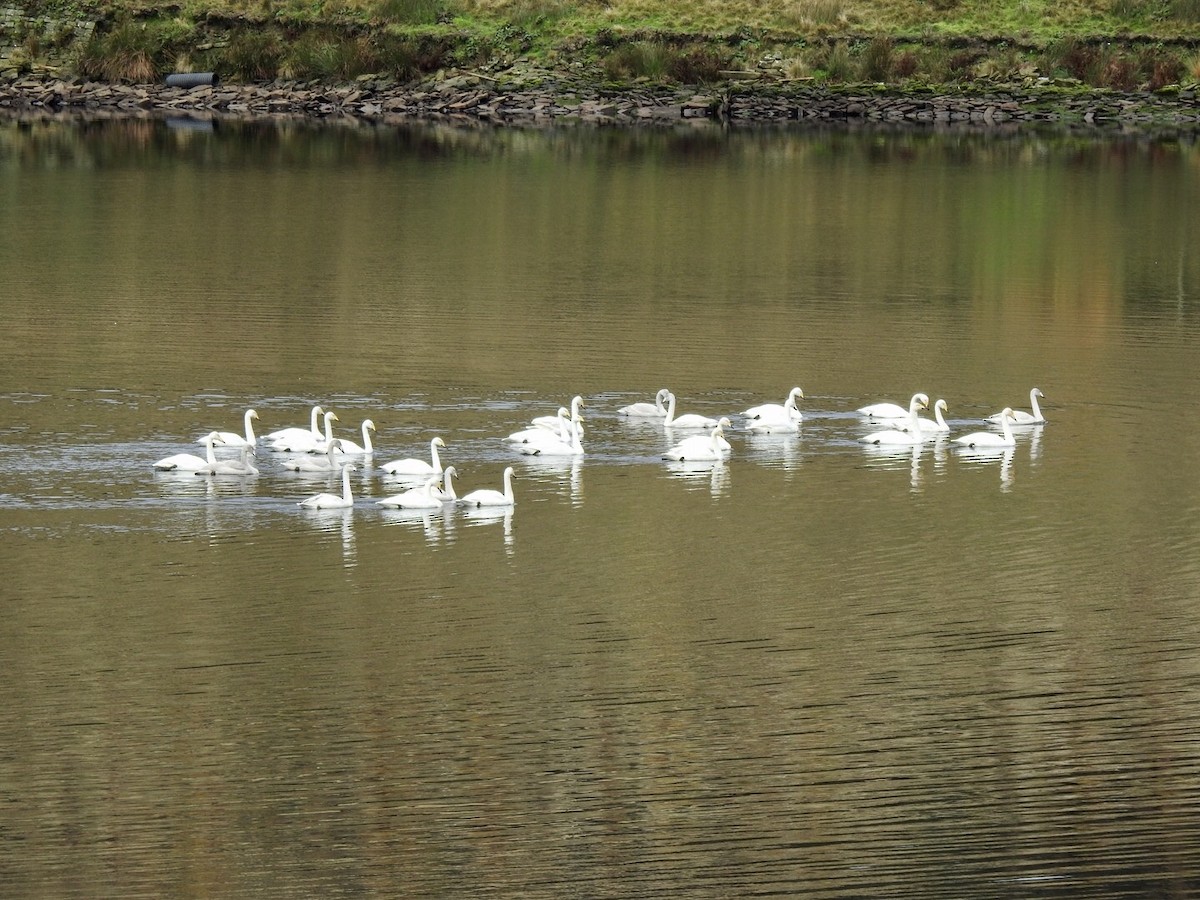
466, 99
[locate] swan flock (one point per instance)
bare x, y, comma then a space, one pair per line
316, 451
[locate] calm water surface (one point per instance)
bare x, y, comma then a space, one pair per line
812, 670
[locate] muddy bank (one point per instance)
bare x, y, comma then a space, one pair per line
487, 100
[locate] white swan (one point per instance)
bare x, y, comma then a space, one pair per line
937, 425
333, 501
888, 410
417, 467
778, 412
290, 434
552, 445
688, 420
308, 443
539, 432
446, 492
894, 437
364, 449
645, 410
322, 462
773, 426
241, 467
1019, 416
489, 497
552, 422
423, 497
233, 439
190, 462
989, 439
701, 447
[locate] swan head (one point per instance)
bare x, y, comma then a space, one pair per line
941, 404
438, 442
1007, 413
214, 437
797, 393
920, 400
1037, 392
368, 424
331, 416
251, 414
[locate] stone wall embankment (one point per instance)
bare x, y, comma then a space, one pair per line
470, 97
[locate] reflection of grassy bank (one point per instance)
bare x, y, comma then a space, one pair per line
1123, 45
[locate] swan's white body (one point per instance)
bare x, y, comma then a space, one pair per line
643, 410
363, 449
233, 439
936, 425
688, 420
989, 439
446, 492
190, 462
308, 443
886, 410
423, 497
539, 432
417, 468
241, 467
894, 437
333, 501
489, 497
1019, 416
323, 462
553, 423
785, 412
291, 434
552, 445
708, 447
773, 426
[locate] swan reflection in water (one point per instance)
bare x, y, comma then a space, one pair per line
490, 515
696, 472
435, 524
897, 457
988, 456
336, 521
567, 470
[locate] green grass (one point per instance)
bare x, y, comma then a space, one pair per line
1117, 44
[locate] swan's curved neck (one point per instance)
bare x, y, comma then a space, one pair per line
328, 428
210, 455
670, 410
937, 415
716, 439
433, 454
346, 495
448, 484
367, 447
1033, 403
508, 491
914, 419
315, 424
1006, 427
249, 428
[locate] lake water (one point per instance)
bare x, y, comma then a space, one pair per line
816, 669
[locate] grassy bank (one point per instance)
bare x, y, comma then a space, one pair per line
1122, 45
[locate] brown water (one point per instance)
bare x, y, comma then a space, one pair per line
811, 671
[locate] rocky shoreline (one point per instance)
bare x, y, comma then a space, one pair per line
473, 97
